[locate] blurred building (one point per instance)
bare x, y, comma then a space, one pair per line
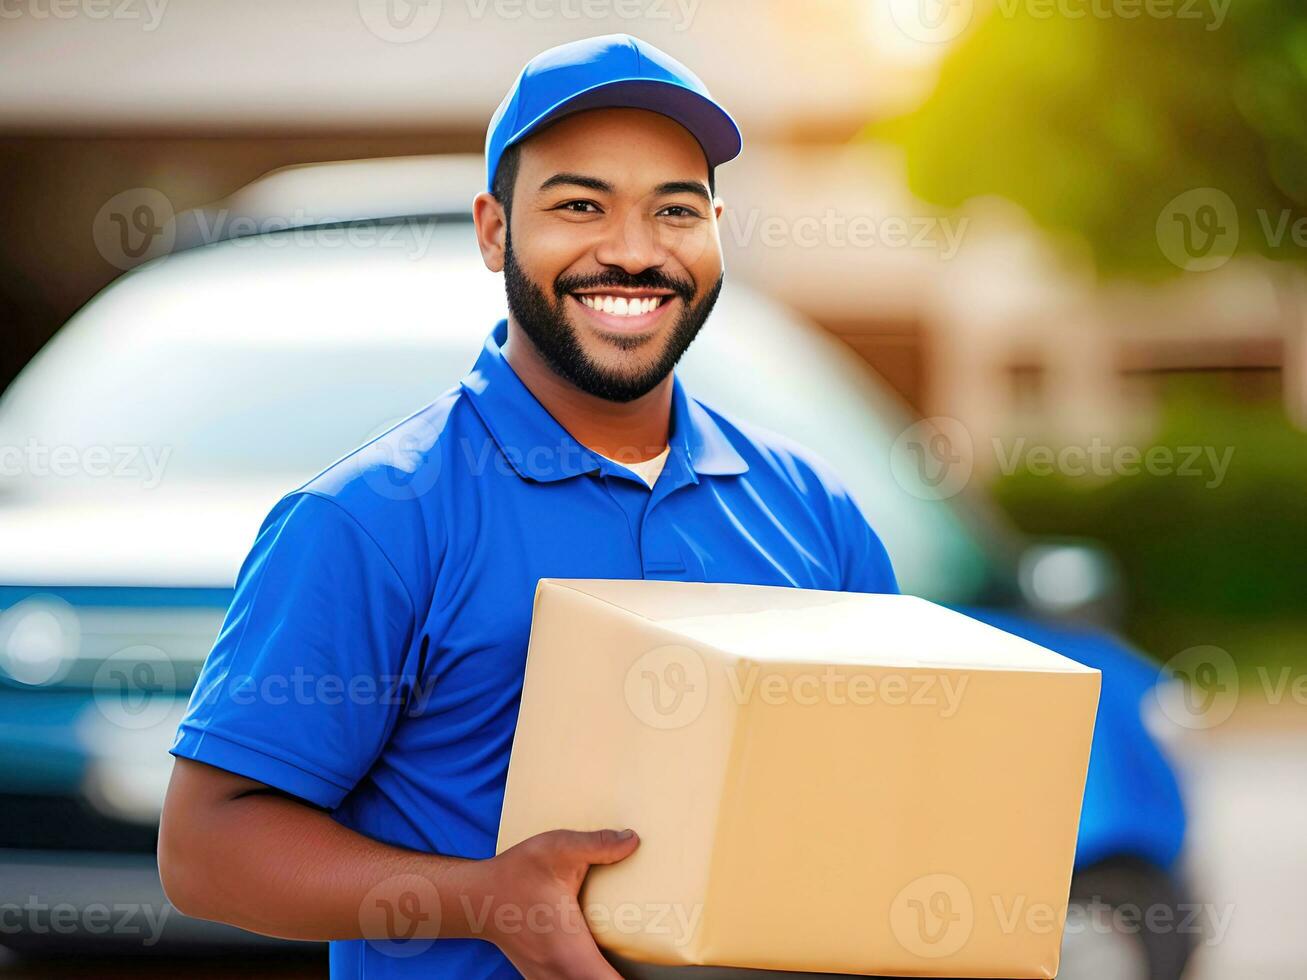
973, 316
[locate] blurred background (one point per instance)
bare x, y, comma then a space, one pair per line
1030, 272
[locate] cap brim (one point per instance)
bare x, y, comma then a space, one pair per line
706, 121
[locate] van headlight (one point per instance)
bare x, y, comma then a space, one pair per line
40, 640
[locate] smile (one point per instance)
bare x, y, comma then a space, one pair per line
621, 305
625, 312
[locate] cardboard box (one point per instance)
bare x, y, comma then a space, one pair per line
824, 782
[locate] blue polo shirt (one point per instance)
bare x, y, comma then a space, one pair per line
371, 662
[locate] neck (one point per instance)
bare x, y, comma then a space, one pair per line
626, 431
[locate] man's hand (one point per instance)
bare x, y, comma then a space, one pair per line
536, 920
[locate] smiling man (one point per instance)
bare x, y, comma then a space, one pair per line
340, 771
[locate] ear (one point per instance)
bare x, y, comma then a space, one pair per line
491, 229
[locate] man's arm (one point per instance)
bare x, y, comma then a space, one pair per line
233, 850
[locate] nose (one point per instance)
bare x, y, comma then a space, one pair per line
631, 242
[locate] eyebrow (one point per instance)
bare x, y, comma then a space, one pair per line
694, 187
577, 180
565, 179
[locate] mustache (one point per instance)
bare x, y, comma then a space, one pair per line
648, 279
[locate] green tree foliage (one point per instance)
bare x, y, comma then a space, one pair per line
1095, 123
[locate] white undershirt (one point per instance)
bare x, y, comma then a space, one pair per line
647, 470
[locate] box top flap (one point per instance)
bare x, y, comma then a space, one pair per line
787, 625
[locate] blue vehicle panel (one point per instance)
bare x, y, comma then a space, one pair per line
1132, 805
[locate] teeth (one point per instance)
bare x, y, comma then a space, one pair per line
622, 305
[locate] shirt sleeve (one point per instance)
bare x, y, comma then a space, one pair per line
865, 564
308, 675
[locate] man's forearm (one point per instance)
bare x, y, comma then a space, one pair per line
235, 851
275, 866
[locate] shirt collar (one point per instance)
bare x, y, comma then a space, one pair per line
539, 448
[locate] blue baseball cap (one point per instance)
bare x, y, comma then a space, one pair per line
612, 71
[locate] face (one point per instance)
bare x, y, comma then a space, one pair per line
612, 260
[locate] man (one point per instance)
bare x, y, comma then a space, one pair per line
340, 771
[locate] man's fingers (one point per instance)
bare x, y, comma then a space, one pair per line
597, 846
567, 949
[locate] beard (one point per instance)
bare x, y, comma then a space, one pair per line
545, 322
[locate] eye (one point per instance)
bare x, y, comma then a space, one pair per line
578, 207
679, 211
